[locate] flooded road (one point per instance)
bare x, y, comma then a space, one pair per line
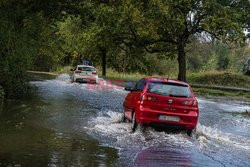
66, 124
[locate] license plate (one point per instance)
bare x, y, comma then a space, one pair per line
169, 118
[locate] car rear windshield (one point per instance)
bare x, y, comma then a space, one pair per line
85, 69
169, 89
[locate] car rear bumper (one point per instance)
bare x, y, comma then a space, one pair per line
80, 78
147, 116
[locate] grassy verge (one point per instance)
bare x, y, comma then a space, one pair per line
211, 78
222, 93
41, 75
111, 74
215, 78
42, 72
61, 70
57, 71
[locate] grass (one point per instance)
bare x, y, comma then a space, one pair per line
111, 74
214, 92
59, 70
215, 78
211, 78
64, 69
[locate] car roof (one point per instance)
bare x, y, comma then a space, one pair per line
162, 79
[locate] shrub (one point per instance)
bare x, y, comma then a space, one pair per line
1, 93
246, 67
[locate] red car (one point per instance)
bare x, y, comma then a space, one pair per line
161, 101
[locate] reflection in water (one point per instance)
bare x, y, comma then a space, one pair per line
163, 157
39, 132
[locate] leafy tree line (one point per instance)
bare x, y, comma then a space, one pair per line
24, 30
146, 36
211, 56
135, 31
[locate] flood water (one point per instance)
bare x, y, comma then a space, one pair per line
66, 124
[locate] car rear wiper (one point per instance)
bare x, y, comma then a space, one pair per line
172, 95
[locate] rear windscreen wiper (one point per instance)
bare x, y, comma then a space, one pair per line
171, 95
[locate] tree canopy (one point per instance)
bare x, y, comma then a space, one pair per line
128, 35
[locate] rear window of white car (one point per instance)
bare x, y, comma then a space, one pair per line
85, 69
169, 89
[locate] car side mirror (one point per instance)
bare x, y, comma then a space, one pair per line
129, 88
71, 69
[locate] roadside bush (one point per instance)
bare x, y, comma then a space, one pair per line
211, 63
14, 62
1, 93
14, 80
246, 67
222, 53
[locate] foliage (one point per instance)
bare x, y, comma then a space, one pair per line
118, 28
50, 53
207, 56
1, 93
126, 36
171, 24
222, 53
16, 49
246, 67
25, 35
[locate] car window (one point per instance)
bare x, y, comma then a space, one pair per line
169, 89
85, 69
140, 85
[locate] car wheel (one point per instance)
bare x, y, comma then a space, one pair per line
191, 132
134, 123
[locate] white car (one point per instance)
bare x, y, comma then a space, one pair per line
84, 73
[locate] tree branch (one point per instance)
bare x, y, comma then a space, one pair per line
209, 32
154, 50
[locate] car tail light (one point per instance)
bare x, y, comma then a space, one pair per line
148, 98
190, 103
94, 73
77, 71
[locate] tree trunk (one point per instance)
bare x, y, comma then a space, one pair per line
182, 62
104, 55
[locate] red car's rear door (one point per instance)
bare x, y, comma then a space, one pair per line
133, 97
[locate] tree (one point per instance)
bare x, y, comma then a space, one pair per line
22, 25
99, 36
167, 25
